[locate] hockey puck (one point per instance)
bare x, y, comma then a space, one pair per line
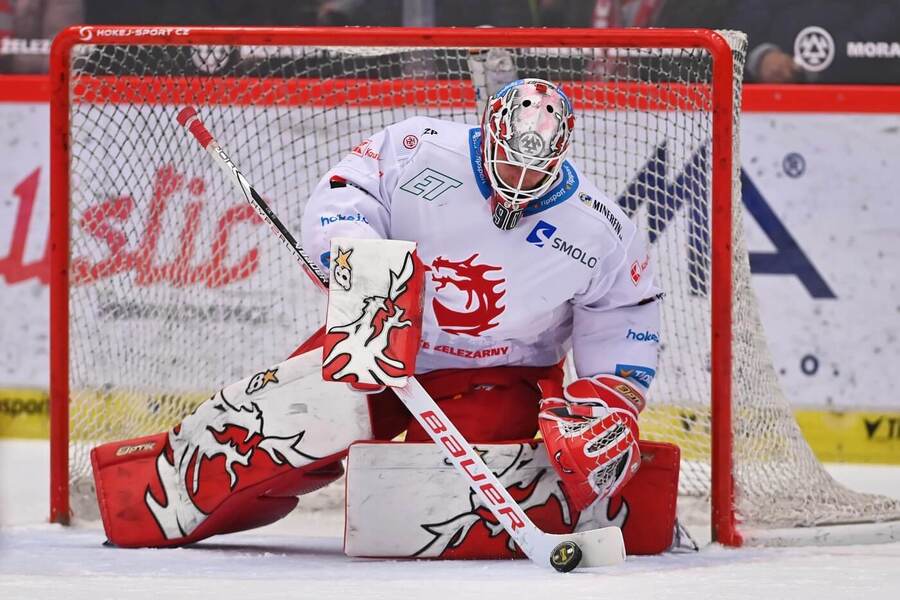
565, 557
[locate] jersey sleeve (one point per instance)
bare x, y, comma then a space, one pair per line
616, 320
353, 199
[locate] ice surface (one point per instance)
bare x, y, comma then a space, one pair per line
301, 558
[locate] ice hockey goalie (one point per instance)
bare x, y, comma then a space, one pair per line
514, 259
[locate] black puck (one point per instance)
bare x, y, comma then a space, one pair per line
565, 557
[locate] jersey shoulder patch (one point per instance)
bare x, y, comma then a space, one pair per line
408, 135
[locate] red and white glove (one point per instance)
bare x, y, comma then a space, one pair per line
590, 431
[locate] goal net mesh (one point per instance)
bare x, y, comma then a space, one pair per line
177, 288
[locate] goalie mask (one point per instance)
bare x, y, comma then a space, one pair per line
526, 129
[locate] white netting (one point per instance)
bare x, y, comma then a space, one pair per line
779, 483
178, 289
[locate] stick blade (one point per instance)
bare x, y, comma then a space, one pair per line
599, 547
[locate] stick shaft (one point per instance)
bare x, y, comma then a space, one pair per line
188, 118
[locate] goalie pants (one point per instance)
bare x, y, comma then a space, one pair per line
487, 405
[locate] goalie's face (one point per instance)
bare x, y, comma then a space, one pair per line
514, 175
526, 130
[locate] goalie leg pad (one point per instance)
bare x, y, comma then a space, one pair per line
235, 463
127, 492
404, 500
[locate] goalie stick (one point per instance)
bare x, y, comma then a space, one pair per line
564, 552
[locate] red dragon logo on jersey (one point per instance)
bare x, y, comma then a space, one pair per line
482, 297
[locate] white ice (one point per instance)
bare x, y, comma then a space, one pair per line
301, 558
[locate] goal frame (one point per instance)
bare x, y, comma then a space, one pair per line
723, 521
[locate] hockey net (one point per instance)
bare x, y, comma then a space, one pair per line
168, 286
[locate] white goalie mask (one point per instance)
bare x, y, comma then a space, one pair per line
526, 130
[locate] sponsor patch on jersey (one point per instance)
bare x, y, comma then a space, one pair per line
410, 142
574, 252
604, 211
642, 336
541, 233
329, 219
637, 269
636, 373
465, 352
560, 192
430, 184
363, 150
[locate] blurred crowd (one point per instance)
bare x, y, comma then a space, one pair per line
824, 41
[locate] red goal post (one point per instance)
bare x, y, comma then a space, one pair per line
309, 95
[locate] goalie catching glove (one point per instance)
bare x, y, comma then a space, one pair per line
591, 433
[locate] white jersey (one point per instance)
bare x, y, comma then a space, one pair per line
574, 273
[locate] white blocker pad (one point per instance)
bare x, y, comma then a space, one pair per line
374, 320
405, 500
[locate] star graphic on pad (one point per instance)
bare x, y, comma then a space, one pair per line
270, 376
343, 258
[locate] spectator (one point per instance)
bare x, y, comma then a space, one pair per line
709, 14
625, 13
498, 13
338, 13
200, 12
827, 41
632, 13
34, 20
6, 19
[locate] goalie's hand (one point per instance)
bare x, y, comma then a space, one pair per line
590, 431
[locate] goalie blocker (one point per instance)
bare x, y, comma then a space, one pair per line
243, 456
